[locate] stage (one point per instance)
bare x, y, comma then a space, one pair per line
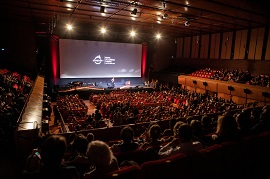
85, 91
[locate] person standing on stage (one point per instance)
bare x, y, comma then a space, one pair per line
112, 80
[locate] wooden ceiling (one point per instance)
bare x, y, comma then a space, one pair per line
152, 16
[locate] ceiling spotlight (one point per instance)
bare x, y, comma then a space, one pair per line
134, 12
187, 23
102, 9
165, 16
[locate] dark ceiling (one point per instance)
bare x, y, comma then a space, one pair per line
167, 16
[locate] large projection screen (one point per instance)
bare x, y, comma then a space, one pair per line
95, 59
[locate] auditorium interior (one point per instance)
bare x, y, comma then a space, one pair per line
76, 67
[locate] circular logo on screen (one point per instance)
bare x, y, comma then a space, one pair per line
97, 60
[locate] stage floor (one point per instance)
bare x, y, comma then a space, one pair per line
85, 91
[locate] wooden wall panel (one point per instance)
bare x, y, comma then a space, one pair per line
226, 45
243, 46
215, 43
267, 53
240, 44
204, 46
195, 46
179, 52
229, 45
252, 44
237, 44
259, 44
187, 43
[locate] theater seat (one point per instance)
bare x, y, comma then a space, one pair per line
170, 167
127, 172
214, 162
139, 156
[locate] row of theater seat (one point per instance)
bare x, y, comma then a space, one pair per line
243, 159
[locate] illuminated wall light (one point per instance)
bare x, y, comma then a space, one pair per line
158, 36
69, 9
158, 22
133, 18
69, 5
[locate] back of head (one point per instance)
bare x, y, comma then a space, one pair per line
226, 126
255, 114
90, 137
53, 150
127, 134
155, 131
172, 122
206, 121
196, 127
99, 153
176, 126
80, 144
185, 133
265, 116
243, 120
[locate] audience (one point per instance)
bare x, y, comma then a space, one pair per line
90, 137
244, 123
79, 159
226, 130
155, 138
127, 143
183, 144
84, 157
169, 131
264, 123
102, 160
175, 131
52, 153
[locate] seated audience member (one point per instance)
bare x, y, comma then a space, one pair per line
52, 153
207, 125
155, 140
244, 123
175, 131
127, 143
264, 123
255, 116
197, 130
80, 161
145, 135
33, 162
182, 144
226, 130
90, 137
169, 132
102, 160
